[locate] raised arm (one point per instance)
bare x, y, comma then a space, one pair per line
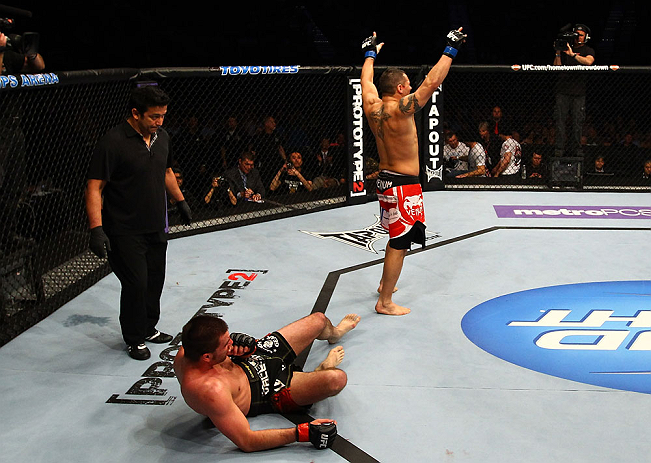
412, 103
371, 48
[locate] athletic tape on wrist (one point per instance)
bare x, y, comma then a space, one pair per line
370, 54
450, 51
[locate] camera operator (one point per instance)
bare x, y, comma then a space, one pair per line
291, 178
13, 62
571, 50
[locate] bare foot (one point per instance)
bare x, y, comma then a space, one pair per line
346, 324
391, 309
334, 358
379, 289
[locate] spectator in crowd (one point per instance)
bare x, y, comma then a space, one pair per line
220, 193
570, 90
627, 154
599, 165
630, 141
233, 141
536, 168
591, 135
268, 149
646, 141
171, 200
296, 133
490, 143
476, 161
498, 124
12, 62
290, 178
510, 158
326, 166
340, 141
609, 135
455, 155
549, 133
245, 179
341, 146
13, 179
646, 171
371, 168
129, 174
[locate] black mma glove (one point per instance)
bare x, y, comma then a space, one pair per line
185, 212
244, 340
455, 38
98, 241
321, 435
369, 47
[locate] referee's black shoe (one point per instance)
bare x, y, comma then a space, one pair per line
138, 352
159, 338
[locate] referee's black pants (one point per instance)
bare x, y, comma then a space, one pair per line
139, 263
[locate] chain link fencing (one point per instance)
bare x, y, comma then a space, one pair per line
590, 129
48, 129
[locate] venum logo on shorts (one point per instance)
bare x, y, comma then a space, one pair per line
594, 333
414, 205
365, 237
150, 390
384, 184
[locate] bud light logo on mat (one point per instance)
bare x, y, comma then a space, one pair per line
594, 333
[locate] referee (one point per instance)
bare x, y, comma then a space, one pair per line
131, 170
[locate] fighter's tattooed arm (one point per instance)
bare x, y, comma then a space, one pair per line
409, 104
379, 117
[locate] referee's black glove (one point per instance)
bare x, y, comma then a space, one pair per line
185, 212
99, 242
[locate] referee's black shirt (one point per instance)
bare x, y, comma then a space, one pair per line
134, 195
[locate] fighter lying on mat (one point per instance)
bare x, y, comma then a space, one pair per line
228, 377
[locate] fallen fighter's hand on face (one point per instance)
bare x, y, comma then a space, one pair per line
243, 345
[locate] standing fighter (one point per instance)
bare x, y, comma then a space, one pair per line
391, 119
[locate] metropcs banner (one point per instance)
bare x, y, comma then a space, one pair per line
574, 212
596, 333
